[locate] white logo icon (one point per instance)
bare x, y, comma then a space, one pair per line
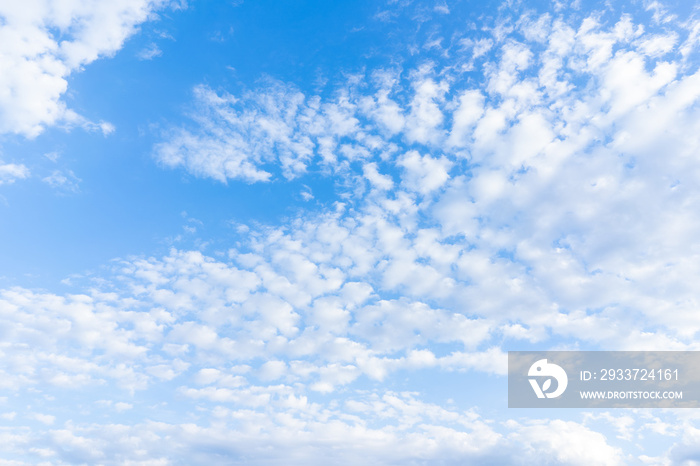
543, 369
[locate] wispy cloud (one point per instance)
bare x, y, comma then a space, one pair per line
150, 52
10, 172
63, 180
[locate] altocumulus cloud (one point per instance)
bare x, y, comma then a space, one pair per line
576, 141
526, 187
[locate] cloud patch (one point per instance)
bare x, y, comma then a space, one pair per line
43, 43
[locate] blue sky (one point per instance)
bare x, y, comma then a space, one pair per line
309, 232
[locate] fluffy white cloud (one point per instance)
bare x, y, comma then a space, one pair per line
372, 428
239, 138
424, 173
42, 42
566, 443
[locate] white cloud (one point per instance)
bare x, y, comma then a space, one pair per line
379, 181
276, 425
44, 42
278, 128
425, 118
381, 107
63, 180
150, 52
272, 370
236, 145
470, 110
44, 418
566, 442
424, 173
121, 406
10, 172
